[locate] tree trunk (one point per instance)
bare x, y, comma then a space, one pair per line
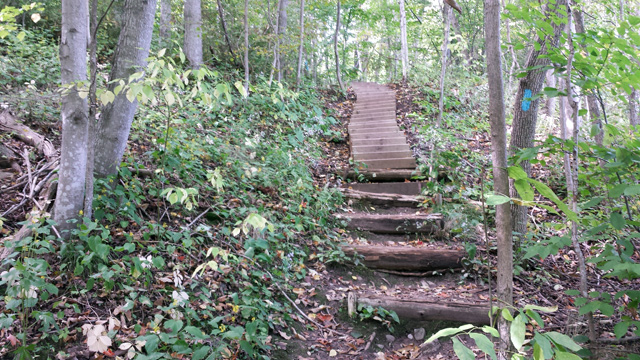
403, 39
93, 109
525, 118
132, 50
572, 179
499, 157
514, 59
165, 21
246, 46
551, 101
193, 33
314, 60
223, 24
75, 114
443, 66
301, 48
276, 47
335, 49
282, 28
592, 101
634, 120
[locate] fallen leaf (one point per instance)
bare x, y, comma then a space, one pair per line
333, 353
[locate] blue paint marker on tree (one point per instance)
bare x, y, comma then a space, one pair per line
526, 102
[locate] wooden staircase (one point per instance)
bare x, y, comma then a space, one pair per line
386, 211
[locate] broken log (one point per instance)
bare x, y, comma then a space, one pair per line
407, 258
395, 223
10, 124
387, 200
429, 310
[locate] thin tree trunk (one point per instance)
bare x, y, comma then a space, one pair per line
499, 157
165, 21
301, 48
74, 113
132, 50
314, 60
634, 120
276, 46
551, 101
443, 65
404, 53
592, 102
93, 107
335, 49
572, 180
246, 46
193, 32
282, 28
514, 59
223, 24
526, 110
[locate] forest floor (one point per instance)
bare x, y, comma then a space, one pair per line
322, 293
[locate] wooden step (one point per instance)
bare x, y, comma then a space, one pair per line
372, 117
388, 135
407, 258
382, 155
404, 163
375, 130
379, 175
379, 123
401, 188
381, 199
378, 142
388, 111
379, 148
426, 309
432, 224
374, 106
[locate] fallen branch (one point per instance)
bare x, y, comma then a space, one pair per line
9, 124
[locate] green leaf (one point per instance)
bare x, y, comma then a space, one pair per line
632, 190
483, 343
524, 189
549, 194
196, 333
546, 309
617, 190
544, 344
490, 330
561, 355
516, 173
463, 352
535, 316
621, 328
200, 353
241, 89
518, 330
538, 354
617, 221
563, 340
494, 199
507, 314
448, 332
173, 325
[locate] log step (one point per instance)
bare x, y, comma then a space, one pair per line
379, 175
382, 199
404, 163
407, 258
373, 116
382, 155
379, 148
389, 135
426, 310
395, 188
395, 223
377, 123
376, 130
378, 142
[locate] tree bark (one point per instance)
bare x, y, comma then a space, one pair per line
551, 101
276, 46
193, 32
132, 50
165, 21
75, 114
525, 117
404, 52
301, 48
443, 66
335, 49
246, 46
499, 157
634, 120
93, 109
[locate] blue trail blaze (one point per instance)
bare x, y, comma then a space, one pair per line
526, 102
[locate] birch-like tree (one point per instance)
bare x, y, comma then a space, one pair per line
335, 48
499, 157
246, 46
74, 113
301, 47
117, 117
193, 32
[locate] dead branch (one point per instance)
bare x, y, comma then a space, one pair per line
9, 123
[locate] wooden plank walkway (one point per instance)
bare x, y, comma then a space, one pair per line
376, 139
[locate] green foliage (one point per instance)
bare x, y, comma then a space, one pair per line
380, 314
